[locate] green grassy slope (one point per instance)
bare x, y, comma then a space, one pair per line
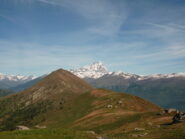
68, 107
46, 134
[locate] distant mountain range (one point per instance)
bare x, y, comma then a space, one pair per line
98, 70
8, 81
5, 92
166, 90
64, 101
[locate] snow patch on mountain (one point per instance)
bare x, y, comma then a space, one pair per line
95, 70
124, 75
98, 69
16, 77
160, 76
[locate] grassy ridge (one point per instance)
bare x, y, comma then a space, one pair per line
45, 134
117, 124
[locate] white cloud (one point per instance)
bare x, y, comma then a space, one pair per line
170, 28
19, 55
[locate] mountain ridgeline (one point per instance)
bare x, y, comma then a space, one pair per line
49, 93
62, 100
72, 100
165, 90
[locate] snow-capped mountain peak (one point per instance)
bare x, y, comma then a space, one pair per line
96, 66
98, 69
159, 76
124, 75
8, 81
95, 70
16, 77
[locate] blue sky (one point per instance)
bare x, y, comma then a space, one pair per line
136, 36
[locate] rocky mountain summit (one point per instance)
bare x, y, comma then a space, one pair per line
95, 70
98, 70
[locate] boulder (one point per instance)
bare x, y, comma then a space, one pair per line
109, 106
179, 117
40, 126
139, 129
149, 123
22, 127
120, 102
91, 132
99, 137
171, 110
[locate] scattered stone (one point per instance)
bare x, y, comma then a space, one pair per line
91, 132
22, 127
139, 129
169, 111
172, 110
141, 135
135, 135
99, 137
150, 124
109, 106
120, 102
40, 126
162, 112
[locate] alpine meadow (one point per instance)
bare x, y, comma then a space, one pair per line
92, 69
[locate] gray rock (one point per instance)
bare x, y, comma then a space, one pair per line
139, 129
109, 106
135, 135
91, 132
179, 117
22, 127
171, 110
150, 124
40, 126
120, 102
99, 137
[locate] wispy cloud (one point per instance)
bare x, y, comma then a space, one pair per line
8, 18
18, 56
134, 36
105, 17
171, 28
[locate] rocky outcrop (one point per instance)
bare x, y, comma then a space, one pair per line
179, 117
22, 127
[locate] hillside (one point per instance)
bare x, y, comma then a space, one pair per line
65, 104
5, 92
164, 92
27, 85
159, 88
